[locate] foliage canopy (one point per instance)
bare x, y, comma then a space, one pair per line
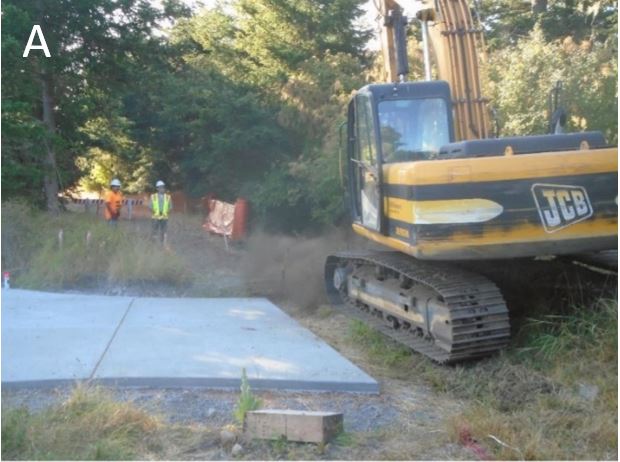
245, 98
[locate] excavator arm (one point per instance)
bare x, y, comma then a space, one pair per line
392, 12
455, 41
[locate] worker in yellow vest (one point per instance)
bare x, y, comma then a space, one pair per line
161, 206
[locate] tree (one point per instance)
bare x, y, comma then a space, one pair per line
213, 134
112, 153
266, 84
92, 45
238, 100
507, 21
522, 76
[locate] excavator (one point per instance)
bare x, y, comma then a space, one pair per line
427, 182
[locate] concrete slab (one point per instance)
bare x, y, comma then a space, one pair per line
51, 337
166, 342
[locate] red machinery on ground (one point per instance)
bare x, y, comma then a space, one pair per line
229, 220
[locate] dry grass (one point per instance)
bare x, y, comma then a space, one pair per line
548, 428
90, 425
141, 261
90, 253
553, 396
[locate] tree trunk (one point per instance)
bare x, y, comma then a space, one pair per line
538, 6
50, 181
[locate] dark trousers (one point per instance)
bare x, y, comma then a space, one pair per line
159, 227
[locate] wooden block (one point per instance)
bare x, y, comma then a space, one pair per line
265, 425
303, 426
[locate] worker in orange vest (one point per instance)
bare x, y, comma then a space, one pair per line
161, 206
113, 202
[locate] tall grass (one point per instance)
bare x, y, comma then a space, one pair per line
553, 395
89, 252
592, 329
22, 234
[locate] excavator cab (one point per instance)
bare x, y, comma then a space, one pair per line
391, 123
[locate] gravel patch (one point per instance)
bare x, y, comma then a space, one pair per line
362, 412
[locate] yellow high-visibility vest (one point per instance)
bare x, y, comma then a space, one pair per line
155, 206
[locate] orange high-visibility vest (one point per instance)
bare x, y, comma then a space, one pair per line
113, 203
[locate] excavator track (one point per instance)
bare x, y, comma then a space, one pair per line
474, 319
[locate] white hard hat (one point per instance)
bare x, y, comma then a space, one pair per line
160, 183
115, 182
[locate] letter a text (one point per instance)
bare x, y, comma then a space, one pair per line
36, 29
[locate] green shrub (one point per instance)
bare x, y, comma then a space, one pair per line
520, 78
14, 432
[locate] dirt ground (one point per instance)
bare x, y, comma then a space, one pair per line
406, 421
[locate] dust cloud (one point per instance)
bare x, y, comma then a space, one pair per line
291, 268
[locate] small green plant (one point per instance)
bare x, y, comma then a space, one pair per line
378, 347
345, 439
280, 446
247, 401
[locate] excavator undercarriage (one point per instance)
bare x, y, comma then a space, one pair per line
454, 313
445, 313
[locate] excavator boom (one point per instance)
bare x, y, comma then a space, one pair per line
456, 40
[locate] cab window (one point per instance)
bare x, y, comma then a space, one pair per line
365, 129
413, 129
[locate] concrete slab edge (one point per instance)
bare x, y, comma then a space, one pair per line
201, 382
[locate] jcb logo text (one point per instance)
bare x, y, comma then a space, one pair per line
561, 205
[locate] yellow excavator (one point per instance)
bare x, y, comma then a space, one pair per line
426, 181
